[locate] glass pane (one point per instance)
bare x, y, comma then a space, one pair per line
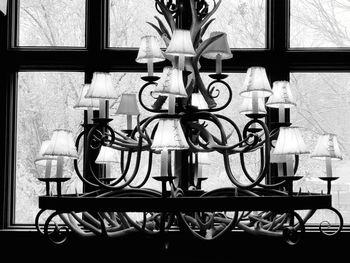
45, 102
246, 19
323, 107
52, 23
319, 23
244, 22
128, 22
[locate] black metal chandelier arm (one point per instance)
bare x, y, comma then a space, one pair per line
200, 17
75, 163
263, 172
127, 182
159, 101
244, 168
211, 89
148, 173
326, 225
169, 10
37, 221
56, 235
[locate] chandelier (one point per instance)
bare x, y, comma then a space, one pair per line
177, 131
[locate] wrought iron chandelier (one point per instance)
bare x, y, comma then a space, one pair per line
179, 134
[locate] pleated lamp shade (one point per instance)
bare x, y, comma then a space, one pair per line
101, 87
282, 95
128, 105
86, 103
327, 146
199, 101
169, 136
256, 82
181, 44
41, 159
218, 47
247, 107
149, 50
171, 83
61, 145
107, 155
290, 141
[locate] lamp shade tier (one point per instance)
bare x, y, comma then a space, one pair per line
256, 83
327, 146
128, 105
181, 44
290, 141
171, 83
86, 103
282, 95
41, 159
149, 50
61, 145
107, 155
218, 47
199, 101
247, 107
101, 87
169, 136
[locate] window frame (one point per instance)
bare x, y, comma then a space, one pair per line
278, 59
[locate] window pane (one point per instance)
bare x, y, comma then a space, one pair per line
323, 107
45, 102
52, 23
320, 23
246, 19
128, 22
243, 21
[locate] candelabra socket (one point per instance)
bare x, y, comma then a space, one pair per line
57, 180
218, 76
164, 180
329, 181
150, 78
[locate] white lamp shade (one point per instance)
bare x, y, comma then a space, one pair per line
107, 155
171, 83
327, 146
85, 103
61, 144
41, 159
290, 141
128, 105
247, 107
181, 44
199, 101
218, 47
282, 95
256, 81
149, 50
169, 136
101, 87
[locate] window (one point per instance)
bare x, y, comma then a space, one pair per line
243, 21
319, 23
45, 102
51, 23
323, 107
127, 22
41, 87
